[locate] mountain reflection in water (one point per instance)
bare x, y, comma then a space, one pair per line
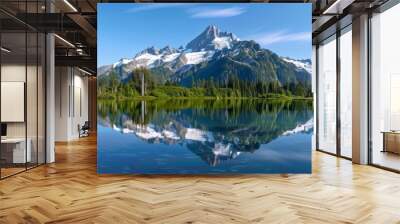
216, 131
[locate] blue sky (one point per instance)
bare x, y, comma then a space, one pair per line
127, 28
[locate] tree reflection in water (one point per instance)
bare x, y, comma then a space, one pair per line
214, 130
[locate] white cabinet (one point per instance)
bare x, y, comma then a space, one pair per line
19, 155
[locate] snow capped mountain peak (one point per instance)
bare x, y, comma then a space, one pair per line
150, 50
211, 44
155, 51
212, 31
168, 50
198, 50
212, 27
211, 39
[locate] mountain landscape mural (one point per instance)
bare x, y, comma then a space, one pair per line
214, 64
195, 98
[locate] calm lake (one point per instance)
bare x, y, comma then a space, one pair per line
204, 136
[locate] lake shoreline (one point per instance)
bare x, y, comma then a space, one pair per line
281, 98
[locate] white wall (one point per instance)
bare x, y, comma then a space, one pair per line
71, 87
33, 126
80, 115
62, 82
13, 100
12, 73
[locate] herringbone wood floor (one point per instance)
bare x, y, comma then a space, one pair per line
70, 191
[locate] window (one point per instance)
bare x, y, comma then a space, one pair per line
327, 95
22, 87
346, 92
385, 89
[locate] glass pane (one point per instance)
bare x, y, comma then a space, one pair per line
346, 93
13, 86
327, 96
385, 83
31, 98
41, 98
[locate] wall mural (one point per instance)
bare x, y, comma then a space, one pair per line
204, 88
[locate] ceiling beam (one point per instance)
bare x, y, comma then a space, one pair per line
49, 22
77, 61
86, 26
337, 7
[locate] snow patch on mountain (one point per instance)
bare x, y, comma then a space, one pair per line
198, 135
122, 61
170, 135
222, 42
301, 128
152, 60
148, 133
147, 59
302, 64
170, 57
196, 57
222, 149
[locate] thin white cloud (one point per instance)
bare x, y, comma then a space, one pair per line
280, 37
142, 7
216, 13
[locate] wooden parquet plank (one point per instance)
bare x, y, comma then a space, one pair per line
70, 191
